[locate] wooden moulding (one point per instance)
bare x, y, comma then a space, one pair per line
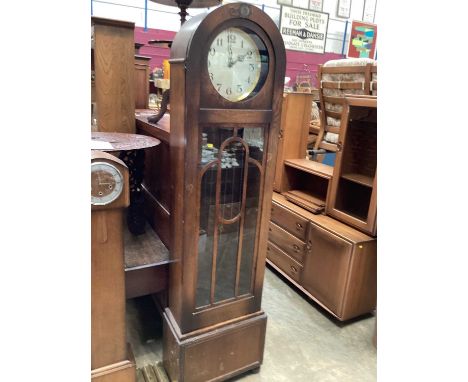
118, 372
214, 355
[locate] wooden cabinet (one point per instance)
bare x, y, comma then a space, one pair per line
332, 263
294, 130
112, 62
142, 71
353, 197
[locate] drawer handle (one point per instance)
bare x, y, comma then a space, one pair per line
298, 226
269, 229
296, 247
293, 268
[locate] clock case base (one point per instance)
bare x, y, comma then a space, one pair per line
216, 353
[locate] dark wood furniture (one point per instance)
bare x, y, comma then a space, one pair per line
292, 143
142, 85
112, 61
332, 263
214, 327
110, 357
157, 180
353, 196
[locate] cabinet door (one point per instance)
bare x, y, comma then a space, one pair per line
326, 267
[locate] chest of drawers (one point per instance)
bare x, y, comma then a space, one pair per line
332, 263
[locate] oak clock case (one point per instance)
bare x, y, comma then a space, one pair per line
110, 360
223, 147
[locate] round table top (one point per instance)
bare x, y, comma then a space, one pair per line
104, 141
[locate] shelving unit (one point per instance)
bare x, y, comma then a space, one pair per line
307, 183
354, 187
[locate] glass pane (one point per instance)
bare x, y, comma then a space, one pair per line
206, 232
232, 175
254, 138
226, 263
250, 228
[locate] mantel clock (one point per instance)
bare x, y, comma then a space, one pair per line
227, 78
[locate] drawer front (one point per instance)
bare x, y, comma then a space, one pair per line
290, 266
288, 220
287, 242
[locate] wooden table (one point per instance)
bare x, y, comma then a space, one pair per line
131, 150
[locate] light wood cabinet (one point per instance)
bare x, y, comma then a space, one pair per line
335, 265
353, 195
294, 130
113, 65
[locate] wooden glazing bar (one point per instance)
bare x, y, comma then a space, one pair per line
242, 219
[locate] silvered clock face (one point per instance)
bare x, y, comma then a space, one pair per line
106, 183
236, 63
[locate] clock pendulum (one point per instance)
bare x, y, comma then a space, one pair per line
227, 77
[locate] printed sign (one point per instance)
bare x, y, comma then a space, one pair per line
303, 30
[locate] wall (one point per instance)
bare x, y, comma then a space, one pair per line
162, 22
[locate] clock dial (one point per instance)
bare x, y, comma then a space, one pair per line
106, 183
237, 63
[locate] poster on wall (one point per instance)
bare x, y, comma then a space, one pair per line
303, 30
368, 13
316, 5
344, 8
363, 40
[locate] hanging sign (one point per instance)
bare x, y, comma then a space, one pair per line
344, 8
316, 5
303, 30
368, 13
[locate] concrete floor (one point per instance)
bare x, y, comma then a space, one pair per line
303, 342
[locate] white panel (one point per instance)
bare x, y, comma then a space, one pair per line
119, 12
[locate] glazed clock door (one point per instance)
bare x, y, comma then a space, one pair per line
230, 172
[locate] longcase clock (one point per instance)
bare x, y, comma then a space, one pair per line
227, 78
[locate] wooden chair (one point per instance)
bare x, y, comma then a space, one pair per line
337, 78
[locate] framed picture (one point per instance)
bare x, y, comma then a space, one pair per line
303, 30
363, 40
316, 5
368, 12
344, 9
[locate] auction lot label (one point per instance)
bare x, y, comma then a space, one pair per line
303, 30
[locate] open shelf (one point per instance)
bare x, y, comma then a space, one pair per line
362, 179
306, 183
145, 250
311, 167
